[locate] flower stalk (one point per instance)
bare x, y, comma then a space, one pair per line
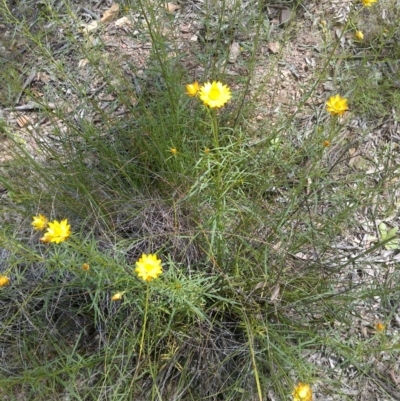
146, 307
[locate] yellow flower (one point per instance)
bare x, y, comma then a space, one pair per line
39, 222
359, 35
192, 89
174, 151
207, 151
4, 280
326, 143
214, 94
336, 105
85, 266
368, 3
117, 296
379, 326
57, 232
148, 267
302, 392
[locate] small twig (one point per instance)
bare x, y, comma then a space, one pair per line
27, 82
94, 15
30, 106
388, 389
97, 90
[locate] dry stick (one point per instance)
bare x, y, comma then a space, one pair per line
31, 106
91, 13
27, 82
380, 382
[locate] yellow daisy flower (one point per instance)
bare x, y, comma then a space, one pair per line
379, 326
192, 89
368, 3
359, 35
326, 143
85, 266
214, 94
148, 267
57, 232
39, 222
302, 392
4, 280
174, 151
337, 105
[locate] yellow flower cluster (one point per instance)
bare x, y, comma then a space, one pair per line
148, 267
213, 94
57, 231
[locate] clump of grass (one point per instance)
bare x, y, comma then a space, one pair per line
254, 294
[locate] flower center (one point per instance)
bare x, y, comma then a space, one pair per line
214, 94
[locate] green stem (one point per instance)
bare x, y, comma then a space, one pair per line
253, 357
218, 188
144, 321
214, 128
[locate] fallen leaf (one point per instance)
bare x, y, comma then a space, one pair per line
273, 47
110, 14
272, 10
275, 293
286, 15
359, 163
386, 235
328, 86
83, 62
352, 151
22, 120
87, 28
234, 51
124, 21
171, 7
42, 76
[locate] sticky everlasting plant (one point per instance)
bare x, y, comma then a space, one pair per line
215, 95
148, 267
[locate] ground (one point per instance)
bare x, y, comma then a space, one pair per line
88, 42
